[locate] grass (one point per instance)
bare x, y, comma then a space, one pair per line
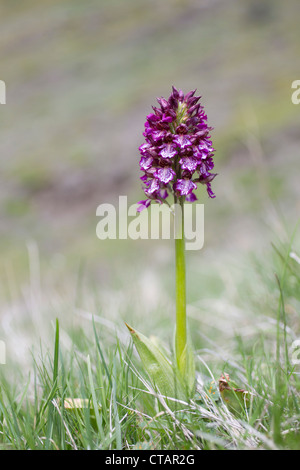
84, 79
89, 391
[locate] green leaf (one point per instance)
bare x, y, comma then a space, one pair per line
211, 389
159, 369
94, 400
187, 368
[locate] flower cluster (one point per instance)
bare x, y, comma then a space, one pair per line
178, 151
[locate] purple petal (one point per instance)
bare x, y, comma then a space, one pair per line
182, 141
185, 186
152, 117
175, 93
144, 148
209, 191
189, 95
189, 163
166, 118
168, 151
207, 179
154, 186
205, 146
192, 101
143, 205
165, 175
181, 95
194, 109
157, 135
145, 163
163, 193
163, 103
191, 197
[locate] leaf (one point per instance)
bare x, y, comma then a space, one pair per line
236, 399
94, 400
158, 368
187, 366
211, 390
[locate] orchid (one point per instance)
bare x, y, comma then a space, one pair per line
178, 151
176, 156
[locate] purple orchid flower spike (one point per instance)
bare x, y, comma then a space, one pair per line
177, 153
176, 156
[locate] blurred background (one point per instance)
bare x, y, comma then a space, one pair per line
81, 76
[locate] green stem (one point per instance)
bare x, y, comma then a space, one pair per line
181, 336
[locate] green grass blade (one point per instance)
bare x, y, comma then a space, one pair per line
54, 386
94, 400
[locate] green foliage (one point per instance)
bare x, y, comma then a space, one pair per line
164, 377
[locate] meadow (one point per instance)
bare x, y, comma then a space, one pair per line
79, 83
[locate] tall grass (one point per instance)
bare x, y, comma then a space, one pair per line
91, 393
